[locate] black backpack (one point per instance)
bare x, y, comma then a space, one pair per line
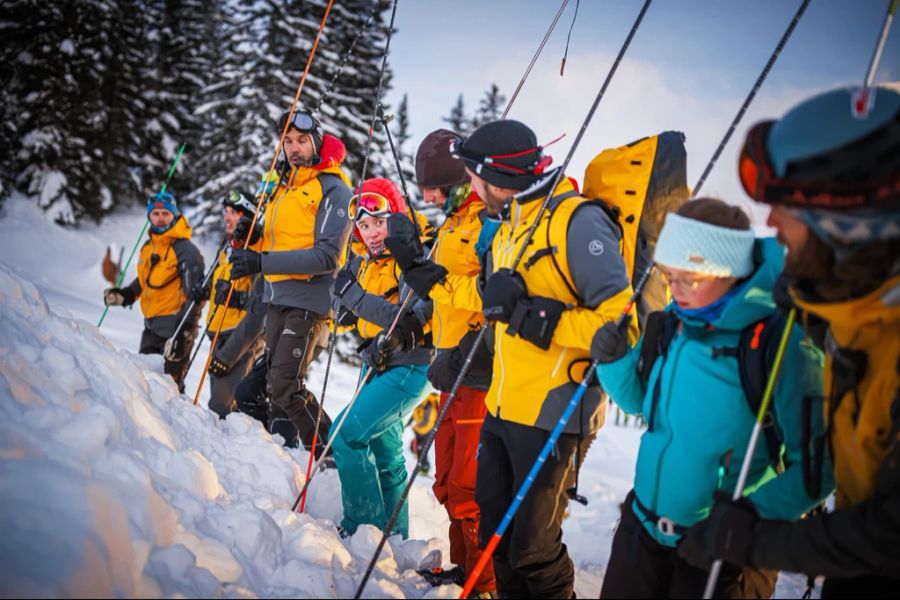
755, 354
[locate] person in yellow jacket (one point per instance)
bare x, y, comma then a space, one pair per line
368, 449
169, 265
450, 281
303, 239
240, 322
571, 280
830, 168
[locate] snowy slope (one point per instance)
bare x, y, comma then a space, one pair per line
113, 484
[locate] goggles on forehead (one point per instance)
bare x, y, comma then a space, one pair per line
299, 119
800, 187
495, 161
368, 203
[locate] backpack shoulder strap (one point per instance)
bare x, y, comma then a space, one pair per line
756, 356
658, 333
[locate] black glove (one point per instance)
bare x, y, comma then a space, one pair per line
343, 281
217, 368
502, 292
727, 534
199, 292
243, 228
373, 356
403, 241
118, 297
177, 346
446, 367
244, 263
610, 343
407, 335
535, 319
781, 294
422, 276
345, 317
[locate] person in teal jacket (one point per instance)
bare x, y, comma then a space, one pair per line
699, 419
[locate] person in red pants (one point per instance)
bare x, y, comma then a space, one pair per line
450, 281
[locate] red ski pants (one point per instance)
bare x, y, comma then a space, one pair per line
456, 445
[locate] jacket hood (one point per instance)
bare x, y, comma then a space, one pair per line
179, 230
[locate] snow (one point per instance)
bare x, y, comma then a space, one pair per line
113, 484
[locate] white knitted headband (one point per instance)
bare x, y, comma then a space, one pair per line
693, 245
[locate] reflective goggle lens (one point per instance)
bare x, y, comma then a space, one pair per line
369, 203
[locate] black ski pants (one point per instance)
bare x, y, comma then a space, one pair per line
291, 337
641, 567
531, 561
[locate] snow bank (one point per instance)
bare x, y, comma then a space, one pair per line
113, 484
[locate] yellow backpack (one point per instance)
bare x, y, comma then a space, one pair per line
641, 182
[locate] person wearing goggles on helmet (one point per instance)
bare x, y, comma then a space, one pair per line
368, 450
240, 322
304, 232
830, 170
169, 265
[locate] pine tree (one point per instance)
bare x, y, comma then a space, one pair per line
490, 107
457, 119
65, 109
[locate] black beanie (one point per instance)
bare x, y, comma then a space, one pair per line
435, 166
503, 153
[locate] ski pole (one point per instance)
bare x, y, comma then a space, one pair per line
754, 437
199, 343
534, 59
310, 471
264, 194
206, 279
362, 178
488, 551
862, 100
527, 240
143, 230
384, 121
751, 95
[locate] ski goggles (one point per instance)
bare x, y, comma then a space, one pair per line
238, 201
801, 189
368, 203
300, 120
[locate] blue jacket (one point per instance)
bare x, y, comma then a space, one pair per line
703, 421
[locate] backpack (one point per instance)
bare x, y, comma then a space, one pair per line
755, 353
640, 183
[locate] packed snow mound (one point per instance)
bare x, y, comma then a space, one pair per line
112, 484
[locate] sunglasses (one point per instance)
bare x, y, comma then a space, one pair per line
368, 203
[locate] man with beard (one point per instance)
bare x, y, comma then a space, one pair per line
304, 234
830, 168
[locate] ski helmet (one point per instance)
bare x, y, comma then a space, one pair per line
239, 202
163, 201
824, 155
435, 166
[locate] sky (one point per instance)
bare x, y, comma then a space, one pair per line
689, 68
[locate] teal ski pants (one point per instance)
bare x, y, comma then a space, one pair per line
368, 450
